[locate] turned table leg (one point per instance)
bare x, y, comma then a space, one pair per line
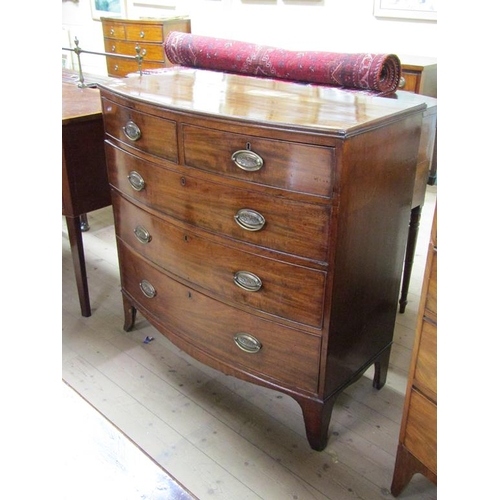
410, 254
78, 256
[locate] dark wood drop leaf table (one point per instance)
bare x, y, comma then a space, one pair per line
84, 177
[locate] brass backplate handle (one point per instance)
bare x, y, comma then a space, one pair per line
247, 160
247, 343
142, 234
147, 289
249, 219
132, 131
136, 181
247, 281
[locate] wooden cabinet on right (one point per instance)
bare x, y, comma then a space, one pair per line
419, 75
417, 450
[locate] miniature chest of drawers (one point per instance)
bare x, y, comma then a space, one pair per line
261, 225
121, 36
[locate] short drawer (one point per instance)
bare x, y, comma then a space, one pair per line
421, 430
141, 131
292, 292
142, 32
409, 81
276, 223
113, 30
283, 354
120, 67
149, 51
288, 165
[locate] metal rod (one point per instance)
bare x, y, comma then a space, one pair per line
77, 50
123, 56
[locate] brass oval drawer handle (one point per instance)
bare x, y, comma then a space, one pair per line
142, 234
113, 48
132, 131
247, 343
136, 181
249, 219
248, 281
247, 160
142, 34
402, 82
112, 31
147, 289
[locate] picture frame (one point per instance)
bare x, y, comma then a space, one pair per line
108, 8
424, 10
155, 3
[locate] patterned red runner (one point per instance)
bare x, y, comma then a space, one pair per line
376, 73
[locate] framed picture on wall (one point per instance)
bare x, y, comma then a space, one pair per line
406, 9
107, 8
155, 3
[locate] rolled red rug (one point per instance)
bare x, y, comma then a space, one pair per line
370, 72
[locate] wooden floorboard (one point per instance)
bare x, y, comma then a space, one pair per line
221, 437
117, 467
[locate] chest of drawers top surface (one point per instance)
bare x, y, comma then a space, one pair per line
150, 30
251, 99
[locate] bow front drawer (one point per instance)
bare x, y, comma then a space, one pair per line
242, 341
287, 165
141, 131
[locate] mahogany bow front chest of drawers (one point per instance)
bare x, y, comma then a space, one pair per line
261, 225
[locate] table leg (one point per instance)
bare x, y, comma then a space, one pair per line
84, 222
78, 256
381, 368
410, 254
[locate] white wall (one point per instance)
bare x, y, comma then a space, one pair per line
332, 25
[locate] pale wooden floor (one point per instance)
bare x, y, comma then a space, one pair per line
221, 437
94, 448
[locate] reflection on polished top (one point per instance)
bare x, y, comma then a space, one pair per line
293, 105
79, 104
